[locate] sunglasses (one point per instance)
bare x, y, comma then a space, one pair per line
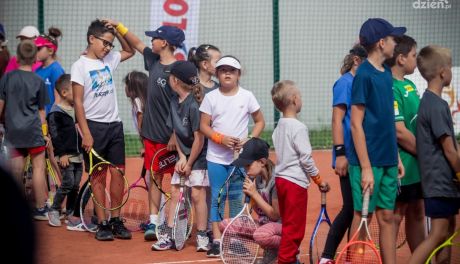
106, 43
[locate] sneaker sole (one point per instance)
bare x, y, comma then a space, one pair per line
70, 228
53, 224
104, 238
122, 237
213, 256
202, 249
160, 249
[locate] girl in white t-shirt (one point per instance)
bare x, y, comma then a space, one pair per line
225, 116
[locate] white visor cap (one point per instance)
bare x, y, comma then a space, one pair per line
229, 61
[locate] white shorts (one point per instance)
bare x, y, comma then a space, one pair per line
197, 178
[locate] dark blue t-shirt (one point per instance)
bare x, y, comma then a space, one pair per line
373, 89
341, 95
50, 74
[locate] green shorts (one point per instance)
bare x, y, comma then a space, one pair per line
385, 187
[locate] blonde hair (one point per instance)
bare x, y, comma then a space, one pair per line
431, 59
281, 93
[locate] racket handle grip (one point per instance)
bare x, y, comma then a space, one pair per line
323, 198
182, 181
366, 198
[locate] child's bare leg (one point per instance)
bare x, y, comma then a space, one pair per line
17, 168
39, 178
444, 255
439, 232
415, 224
385, 219
201, 208
173, 204
155, 195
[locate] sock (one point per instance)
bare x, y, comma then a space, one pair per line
154, 219
201, 233
216, 241
323, 261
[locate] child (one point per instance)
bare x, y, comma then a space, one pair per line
136, 90
260, 186
341, 136
67, 149
294, 169
26, 33
205, 58
157, 60
23, 97
224, 119
96, 110
374, 161
185, 122
50, 70
437, 152
409, 202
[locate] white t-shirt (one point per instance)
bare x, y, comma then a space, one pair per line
100, 95
137, 108
294, 161
229, 116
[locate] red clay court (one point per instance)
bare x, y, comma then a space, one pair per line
57, 245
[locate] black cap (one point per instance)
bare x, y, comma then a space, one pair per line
186, 72
254, 149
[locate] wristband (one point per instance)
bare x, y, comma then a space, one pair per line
45, 129
317, 179
217, 137
122, 29
339, 150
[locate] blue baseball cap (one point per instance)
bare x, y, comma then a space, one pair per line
375, 29
173, 35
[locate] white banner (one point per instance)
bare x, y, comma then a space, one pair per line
183, 14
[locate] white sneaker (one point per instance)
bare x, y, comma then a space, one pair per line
202, 243
53, 218
76, 225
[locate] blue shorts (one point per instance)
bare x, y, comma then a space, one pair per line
440, 207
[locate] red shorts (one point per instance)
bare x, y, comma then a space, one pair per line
151, 148
23, 152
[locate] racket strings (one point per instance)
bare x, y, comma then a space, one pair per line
136, 210
359, 252
238, 245
180, 230
319, 241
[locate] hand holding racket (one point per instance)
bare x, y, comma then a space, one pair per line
367, 179
238, 245
361, 249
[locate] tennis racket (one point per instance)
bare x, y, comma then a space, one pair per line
452, 245
27, 181
52, 181
87, 208
163, 162
238, 245
102, 173
400, 238
235, 174
361, 249
136, 210
319, 235
180, 229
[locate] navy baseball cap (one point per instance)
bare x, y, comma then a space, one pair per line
254, 149
375, 29
173, 35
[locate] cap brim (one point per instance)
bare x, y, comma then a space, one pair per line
398, 31
152, 34
241, 162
